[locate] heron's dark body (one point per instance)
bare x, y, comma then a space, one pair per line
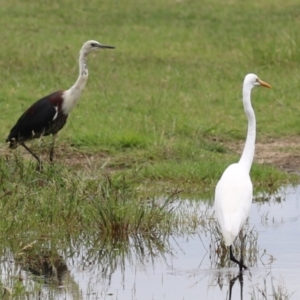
44, 117
49, 114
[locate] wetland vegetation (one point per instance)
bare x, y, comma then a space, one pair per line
160, 118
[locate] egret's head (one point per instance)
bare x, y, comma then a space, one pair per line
91, 46
252, 80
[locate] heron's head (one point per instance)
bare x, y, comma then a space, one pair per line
92, 45
252, 80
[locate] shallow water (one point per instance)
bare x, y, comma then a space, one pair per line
189, 268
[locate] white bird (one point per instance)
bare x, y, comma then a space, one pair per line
49, 114
234, 191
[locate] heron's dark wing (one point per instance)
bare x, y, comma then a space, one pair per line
36, 117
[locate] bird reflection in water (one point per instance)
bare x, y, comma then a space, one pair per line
239, 277
109, 254
49, 266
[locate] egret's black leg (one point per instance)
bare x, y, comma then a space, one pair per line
240, 263
232, 258
52, 147
34, 155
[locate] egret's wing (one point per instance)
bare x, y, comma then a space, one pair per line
233, 198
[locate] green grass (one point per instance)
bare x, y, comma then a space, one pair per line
55, 199
173, 80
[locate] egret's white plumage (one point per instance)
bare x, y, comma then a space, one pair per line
233, 199
233, 194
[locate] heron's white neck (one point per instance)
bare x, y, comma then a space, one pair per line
249, 149
72, 95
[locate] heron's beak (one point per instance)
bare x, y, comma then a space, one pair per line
106, 46
262, 83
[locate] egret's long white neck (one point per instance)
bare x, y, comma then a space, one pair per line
249, 149
72, 95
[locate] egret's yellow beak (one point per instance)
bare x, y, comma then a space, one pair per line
262, 83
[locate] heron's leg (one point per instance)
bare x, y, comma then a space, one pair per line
34, 155
52, 147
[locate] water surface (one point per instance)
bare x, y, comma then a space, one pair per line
188, 266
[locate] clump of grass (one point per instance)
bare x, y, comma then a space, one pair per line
117, 210
128, 139
57, 200
37, 203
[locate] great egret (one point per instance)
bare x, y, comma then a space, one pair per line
234, 191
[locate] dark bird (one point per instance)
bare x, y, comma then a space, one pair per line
49, 114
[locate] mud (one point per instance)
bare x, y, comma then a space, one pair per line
283, 153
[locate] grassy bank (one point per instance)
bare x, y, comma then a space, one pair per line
170, 92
